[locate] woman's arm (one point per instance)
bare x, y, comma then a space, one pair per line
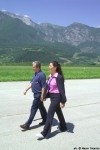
60, 84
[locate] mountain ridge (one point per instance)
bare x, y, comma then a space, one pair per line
74, 42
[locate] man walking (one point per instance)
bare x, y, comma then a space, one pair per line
37, 85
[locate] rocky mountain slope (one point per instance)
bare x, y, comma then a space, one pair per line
19, 35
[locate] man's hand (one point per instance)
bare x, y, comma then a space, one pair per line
42, 95
25, 92
27, 88
62, 105
42, 98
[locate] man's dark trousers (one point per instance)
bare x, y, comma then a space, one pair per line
37, 104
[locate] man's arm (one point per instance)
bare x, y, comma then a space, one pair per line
42, 94
27, 88
43, 84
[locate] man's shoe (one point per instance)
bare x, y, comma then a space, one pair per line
40, 136
23, 126
42, 123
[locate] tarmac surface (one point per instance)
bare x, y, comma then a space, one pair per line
82, 114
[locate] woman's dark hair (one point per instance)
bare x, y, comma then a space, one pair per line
59, 70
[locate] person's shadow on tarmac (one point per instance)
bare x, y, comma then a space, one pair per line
55, 122
33, 127
70, 127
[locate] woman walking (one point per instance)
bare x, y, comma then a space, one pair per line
57, 96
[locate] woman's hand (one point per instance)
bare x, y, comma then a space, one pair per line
62, 105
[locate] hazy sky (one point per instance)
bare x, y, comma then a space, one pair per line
59, 12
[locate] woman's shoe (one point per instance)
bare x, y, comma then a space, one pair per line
61, 130
40, 136
42, 123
